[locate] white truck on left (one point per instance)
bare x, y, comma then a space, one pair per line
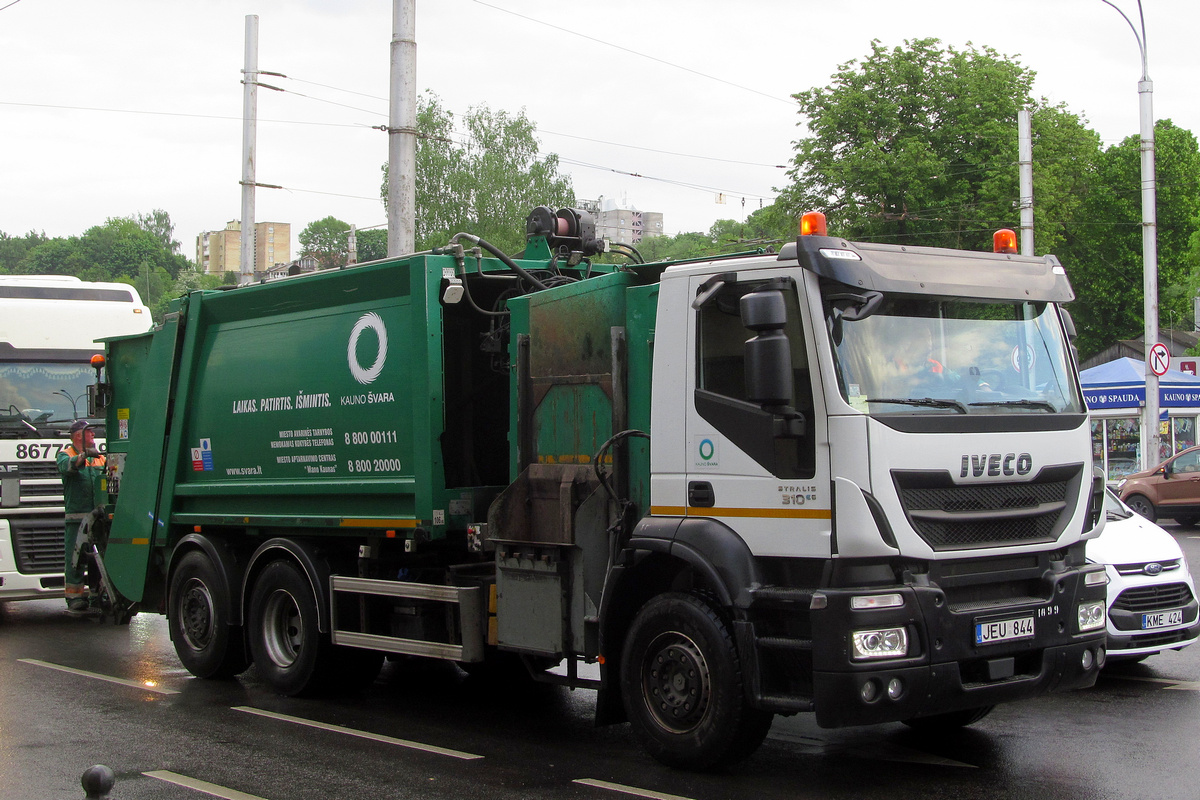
49, 325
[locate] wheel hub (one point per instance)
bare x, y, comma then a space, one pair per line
676, 682
196, 615
283, 629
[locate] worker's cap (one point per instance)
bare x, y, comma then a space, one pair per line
79, 425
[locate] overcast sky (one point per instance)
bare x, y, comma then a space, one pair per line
117, 107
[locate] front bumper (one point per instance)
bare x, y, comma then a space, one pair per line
946, 669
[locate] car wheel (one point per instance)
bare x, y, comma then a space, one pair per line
1187, 521
198, 620
681, 683
1141, 505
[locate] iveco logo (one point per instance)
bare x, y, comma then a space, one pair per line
1153, 568
996, 464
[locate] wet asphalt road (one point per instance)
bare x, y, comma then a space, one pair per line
75, 693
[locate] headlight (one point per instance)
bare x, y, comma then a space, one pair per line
880, 643
1121, 483
1091, 616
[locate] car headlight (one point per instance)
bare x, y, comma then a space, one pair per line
1091, 616
879, 643
1121, 483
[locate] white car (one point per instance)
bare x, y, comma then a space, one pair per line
1151, 597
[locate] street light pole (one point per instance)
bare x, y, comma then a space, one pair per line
1150, 435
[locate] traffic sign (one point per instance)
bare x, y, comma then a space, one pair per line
1159, 360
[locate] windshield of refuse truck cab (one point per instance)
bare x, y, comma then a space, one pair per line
911, 354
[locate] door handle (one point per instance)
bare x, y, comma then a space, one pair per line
701, 495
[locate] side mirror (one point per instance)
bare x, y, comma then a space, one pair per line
768, 354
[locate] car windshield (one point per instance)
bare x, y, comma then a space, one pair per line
1113, 508
926, 355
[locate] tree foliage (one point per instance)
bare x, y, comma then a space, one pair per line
327, 240
918, 145
372, 244
485, 185
117, 249
1104, 248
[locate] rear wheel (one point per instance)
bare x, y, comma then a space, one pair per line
198, 619
681, 683
951, 721
1142, 505
291, 653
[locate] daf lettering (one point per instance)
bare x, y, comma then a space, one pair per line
995, 465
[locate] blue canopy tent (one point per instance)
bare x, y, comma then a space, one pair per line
1116, 393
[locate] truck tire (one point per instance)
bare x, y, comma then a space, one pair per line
290, 652
950, 721
681, 684
198, 620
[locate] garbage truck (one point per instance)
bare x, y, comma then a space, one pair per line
851, 479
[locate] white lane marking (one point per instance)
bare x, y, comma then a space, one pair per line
122, 681
633, 790
325, 726
1168, 683
199, 785
875, 751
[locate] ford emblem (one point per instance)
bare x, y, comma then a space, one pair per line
1153, 568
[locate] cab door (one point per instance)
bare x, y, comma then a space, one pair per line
764, 472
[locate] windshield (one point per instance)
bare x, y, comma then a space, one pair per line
928, 355
42, 399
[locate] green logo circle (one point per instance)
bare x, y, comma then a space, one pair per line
707, 449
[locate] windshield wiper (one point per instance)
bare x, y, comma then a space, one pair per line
934, 402
1021, 404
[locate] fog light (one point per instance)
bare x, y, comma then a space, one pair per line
895, 688
881, 643
1091, 616
1101, 657
869, 691
1087, 660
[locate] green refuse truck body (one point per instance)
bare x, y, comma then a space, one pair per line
701, 477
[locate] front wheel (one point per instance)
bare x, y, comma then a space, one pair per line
291, 653
1142, 505
1187, 520
681, 683
198, 615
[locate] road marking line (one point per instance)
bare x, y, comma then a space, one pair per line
123, 681
633, 790
325, 726
199, 785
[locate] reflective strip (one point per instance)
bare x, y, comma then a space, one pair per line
379, 523
761, 513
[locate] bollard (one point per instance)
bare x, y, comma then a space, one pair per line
98, 781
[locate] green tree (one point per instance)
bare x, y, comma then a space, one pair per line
15, 249
327, 240
1104, 250
372, 244
486, 185
918, 145
117, 249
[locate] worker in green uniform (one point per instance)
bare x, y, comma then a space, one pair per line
81, 466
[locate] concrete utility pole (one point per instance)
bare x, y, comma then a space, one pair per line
1025, 150
1150, 435
402, 130
249, 135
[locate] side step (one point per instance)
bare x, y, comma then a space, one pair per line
469, 600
